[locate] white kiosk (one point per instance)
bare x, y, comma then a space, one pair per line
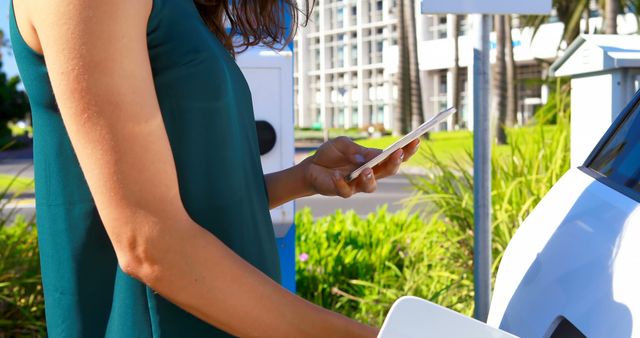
604, 71
269, 74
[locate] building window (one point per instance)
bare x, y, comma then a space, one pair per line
354, 55
354, 15
437, 27
379, 114
464, 25
354, 115
442, 83
340, 18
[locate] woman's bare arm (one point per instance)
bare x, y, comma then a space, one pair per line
97, 58
324, 172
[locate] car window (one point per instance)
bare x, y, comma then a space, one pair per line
619, 158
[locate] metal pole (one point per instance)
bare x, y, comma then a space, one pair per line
481, 167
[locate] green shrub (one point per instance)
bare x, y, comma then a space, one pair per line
21, 297
558, 104
359, 267
521, 177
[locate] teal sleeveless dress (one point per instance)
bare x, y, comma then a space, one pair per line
207, 110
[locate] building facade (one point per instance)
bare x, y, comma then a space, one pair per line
346, 58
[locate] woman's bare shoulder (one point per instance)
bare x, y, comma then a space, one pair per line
33, 16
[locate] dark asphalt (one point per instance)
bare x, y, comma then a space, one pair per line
391, 191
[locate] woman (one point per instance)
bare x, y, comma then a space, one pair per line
153, 211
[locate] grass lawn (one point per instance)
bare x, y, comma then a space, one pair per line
317, 135
19, 185
451, 144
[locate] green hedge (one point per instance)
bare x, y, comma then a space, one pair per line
359, 267
21, 297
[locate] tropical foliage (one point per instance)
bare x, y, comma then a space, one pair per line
360, 266
14, 104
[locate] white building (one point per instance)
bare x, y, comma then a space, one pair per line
346, 59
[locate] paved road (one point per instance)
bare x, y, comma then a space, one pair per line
26, 206
23, 167
10, 210
391, 191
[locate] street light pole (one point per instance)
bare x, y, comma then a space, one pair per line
481, 167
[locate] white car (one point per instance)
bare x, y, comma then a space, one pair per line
573, 268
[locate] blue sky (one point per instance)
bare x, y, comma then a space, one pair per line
8, 62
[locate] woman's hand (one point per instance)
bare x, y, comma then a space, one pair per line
326, 170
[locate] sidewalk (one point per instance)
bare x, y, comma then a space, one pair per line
18, 154
17, 163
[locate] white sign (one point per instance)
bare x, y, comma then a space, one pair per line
486, 7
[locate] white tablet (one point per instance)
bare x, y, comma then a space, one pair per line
413, 317
423, 128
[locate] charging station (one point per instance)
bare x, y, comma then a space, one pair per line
605, 73
269, 74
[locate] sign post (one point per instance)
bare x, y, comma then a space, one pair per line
482, 126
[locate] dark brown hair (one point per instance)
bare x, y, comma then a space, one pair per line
240, 24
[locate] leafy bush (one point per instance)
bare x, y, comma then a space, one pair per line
21, 297
359, 267
520, 179
559, 103
13, 105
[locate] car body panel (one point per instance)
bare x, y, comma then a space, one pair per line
577, 256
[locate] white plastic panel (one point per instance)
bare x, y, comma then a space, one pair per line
486, 7
270, 78
413, 317
575, 256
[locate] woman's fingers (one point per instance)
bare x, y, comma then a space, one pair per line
391, 165
411, 149
367, 181
343, 189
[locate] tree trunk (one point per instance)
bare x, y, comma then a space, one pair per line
402, 119
587, 28
499, 102
455, 72
512, 80
417, 111
611, 17
3, 43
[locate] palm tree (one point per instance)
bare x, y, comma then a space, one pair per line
403, 111
611, 10
634, 7
410, 110
499, 87
512, 80
455, 71
570, 13
417, 111
2, 43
